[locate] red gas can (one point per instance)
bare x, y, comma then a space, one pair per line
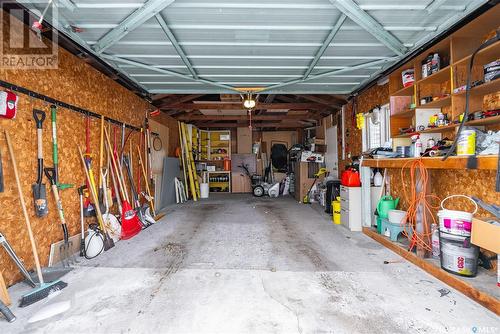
350, 178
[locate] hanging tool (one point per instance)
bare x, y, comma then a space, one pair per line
148, 192
102, 188
55, 155
1, 174
110, 221
108, 242
16, 259
88, 206
67, 246
135, 196
43, 289
39, 190
130, 223
82, 222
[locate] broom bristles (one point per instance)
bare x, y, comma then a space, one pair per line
41, 292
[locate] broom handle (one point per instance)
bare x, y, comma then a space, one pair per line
92, 192
151, 203
101, 151
114, 165
25, 212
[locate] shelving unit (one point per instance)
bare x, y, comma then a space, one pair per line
488, 162
220, 186
455, 54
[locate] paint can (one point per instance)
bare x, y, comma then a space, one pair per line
204, 190
466, 144
336, 211
456, 222
458, 255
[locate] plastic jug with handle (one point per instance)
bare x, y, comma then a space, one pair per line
385, 204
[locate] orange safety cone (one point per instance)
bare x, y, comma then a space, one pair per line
130, 222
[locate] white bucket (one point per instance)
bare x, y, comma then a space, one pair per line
396, 217
458, 255
204, 190
456, 222
466, 144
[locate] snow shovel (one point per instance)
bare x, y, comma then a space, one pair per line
67, 246
39, 190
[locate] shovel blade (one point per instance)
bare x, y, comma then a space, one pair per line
40, 199
108, 242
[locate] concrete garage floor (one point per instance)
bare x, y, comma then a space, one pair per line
237, 264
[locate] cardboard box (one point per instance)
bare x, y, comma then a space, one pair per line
486, 235
244, 140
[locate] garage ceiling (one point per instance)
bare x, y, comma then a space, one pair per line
274, 46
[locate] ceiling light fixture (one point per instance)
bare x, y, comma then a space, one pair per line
249, 102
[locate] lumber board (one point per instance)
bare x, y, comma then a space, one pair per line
4, 294
486, 300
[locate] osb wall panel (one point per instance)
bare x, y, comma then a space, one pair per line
367, 100
79, 84
443, 183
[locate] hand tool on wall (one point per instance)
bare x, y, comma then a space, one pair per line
148, 192
55, 155
102, 188
110, 221
82, 222
67, 246
39, 190
130, 223
88, 206
115, 184
43, 289
108, 242
16, 259
137, 205
1, 173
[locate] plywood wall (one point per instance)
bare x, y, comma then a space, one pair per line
369, 99
79, 84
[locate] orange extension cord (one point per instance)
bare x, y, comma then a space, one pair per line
419, 177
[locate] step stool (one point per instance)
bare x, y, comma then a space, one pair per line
394, 229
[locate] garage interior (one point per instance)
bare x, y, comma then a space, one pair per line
196, 166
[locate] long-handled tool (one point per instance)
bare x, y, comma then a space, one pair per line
39, 190
82, 222
148, 192
110, 221
1, 173
16, 260
108, 242
43, 289
67, 246
138, 208
130, 223
88, 206
55, 154
307, 197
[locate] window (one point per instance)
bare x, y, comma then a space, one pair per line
376, 130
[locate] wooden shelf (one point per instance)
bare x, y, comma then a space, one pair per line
406, 91
461, 284
484, 89
409, 113
491, 53
485, 121
478, 122
438, 77
454, 162
439, 103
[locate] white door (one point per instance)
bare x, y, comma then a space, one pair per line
331, 156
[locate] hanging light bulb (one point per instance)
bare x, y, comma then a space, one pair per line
249, 102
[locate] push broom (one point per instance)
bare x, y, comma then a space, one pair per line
42, 289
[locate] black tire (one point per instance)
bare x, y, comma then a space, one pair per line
258, 191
